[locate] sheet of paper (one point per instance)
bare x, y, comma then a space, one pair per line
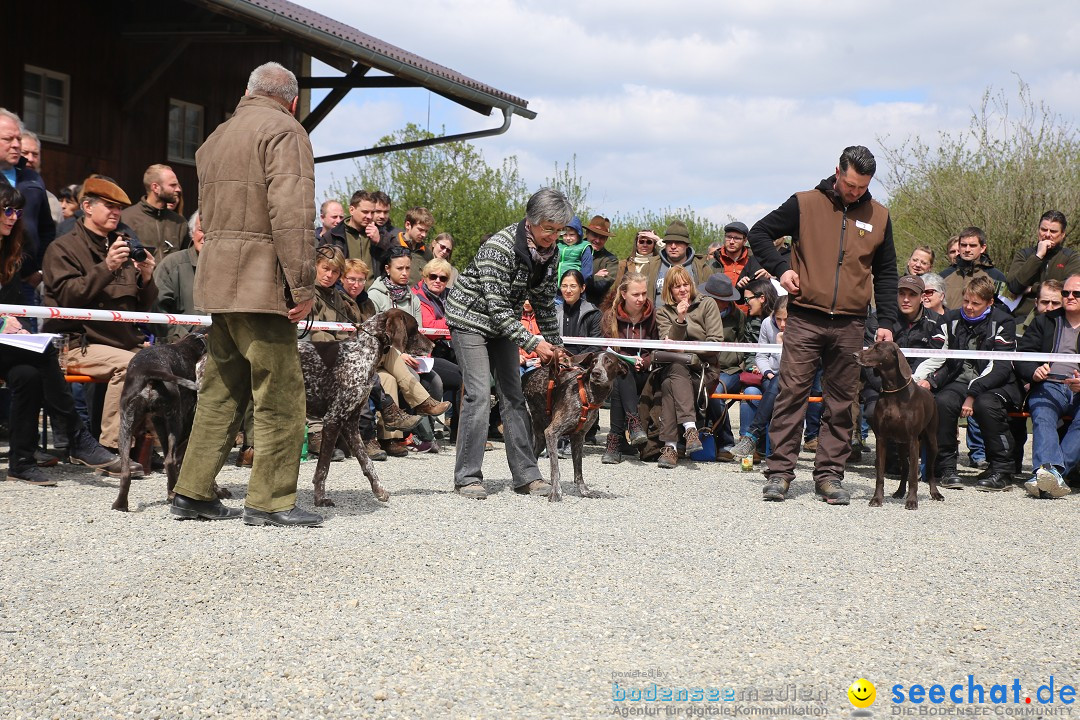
37, 343
426, 364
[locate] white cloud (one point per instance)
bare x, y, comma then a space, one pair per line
727, 107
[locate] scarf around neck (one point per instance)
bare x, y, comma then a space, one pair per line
398, 293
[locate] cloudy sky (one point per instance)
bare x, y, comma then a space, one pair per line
724, 107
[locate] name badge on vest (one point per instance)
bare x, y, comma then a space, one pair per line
863, 228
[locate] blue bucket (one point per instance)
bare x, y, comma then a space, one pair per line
707, 453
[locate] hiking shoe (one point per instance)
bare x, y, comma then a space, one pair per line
536, 487
245, 456
776, 489
668, 458
612, 453
693, 440
430, 407
395, 448
995, 481
745, 447
638, 437
394, 418
832, 492
88, 452
374, 450
810, 445
951, 481
1049, 480
44, 459
31, 475
475, 491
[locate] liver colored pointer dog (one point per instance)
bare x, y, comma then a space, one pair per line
337, 379
905, 414
564, 396
161, 384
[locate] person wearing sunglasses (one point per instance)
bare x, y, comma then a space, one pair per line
933, 296
39, 228
483, 311
443, 247
432, 292
646, 246
34, 378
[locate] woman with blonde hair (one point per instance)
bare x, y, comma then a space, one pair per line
683, 317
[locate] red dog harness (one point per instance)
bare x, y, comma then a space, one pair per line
583, 395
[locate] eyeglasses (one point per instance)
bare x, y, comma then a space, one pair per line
540, 229
646, 241
929, 291
432, 277
734, 237
354, 280
748, 298
9, 211
445, 248
1070, 293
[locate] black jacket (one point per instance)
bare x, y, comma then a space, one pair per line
1041, 336
37, 222
581, 320
995, 332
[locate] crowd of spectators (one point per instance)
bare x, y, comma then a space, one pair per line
92, 246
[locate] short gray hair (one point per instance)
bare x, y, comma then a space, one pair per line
273, 80
933, 281
191, 222
32, 135
549, 204
4, 112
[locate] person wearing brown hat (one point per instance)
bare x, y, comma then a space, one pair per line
100, 265
598, 264
677, 252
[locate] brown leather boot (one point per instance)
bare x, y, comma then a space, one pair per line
394, 418
245, 456
374, 450
430, 407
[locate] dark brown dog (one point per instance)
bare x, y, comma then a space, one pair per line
569, 414
161, 385
905, 414
337, 379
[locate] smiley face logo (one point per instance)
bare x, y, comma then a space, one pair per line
862, 693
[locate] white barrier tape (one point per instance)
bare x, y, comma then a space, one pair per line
57, 313
773, 349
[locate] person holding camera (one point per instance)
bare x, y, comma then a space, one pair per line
100, 265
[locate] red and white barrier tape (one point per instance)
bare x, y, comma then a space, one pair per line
56, 313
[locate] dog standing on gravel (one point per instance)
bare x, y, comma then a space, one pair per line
564, 397
161, 385
337, 379
905, 414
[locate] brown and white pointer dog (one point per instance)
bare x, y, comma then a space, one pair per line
337, 379
564, 396
905, 413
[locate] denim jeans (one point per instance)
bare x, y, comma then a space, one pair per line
976, 446
756, 414
814, 410
1048, 402
724, 438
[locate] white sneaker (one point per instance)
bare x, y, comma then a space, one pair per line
1032, 486
1050, 480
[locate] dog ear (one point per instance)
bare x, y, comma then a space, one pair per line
385, 343
584, 359
902, 366
396, 328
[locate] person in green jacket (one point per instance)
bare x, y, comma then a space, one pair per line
571, 247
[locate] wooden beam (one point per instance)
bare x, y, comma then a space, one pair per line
155, 75
378, 81
335, 96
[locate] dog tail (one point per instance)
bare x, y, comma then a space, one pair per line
167, 376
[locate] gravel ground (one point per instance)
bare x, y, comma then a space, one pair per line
438, 606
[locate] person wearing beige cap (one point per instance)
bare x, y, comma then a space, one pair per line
100, 265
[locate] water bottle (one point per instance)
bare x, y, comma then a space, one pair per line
303, 448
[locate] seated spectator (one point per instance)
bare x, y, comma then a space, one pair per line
983, 389
683, 317
1055, 394
598, 264
175, 278
69, 201
733, 256
35, 379
677, 252
432, 292
933, 297
577, 316
419, 392
921, 261
528, 359
631, 316
355, 283
761, 302
729, 363
571, 247
331, 304
92, 267
1047, 298
754, 429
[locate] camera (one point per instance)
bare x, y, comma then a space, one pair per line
138, 252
